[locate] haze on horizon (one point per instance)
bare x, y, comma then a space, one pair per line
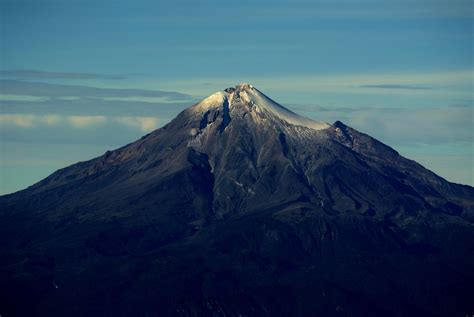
78, 78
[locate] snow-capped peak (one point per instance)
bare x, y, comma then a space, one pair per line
248, 94
214, 100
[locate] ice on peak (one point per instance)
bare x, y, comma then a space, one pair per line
214, 100
262, 102
251, 95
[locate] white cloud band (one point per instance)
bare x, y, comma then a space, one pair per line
144, 124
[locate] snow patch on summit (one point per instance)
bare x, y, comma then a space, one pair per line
250, 95
214, 100
257, 98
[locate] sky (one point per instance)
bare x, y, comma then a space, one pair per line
78, 77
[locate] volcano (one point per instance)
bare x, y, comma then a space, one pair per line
240, 207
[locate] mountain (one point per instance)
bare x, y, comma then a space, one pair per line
240, 207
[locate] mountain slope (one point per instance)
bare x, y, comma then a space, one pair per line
240, 206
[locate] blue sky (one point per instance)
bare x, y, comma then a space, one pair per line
78, 78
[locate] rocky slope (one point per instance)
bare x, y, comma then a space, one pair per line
240, 207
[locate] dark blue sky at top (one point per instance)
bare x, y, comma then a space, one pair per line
190, 38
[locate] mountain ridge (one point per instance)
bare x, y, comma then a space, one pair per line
277, 218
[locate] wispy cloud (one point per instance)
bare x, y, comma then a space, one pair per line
449, 82
26, 121
434, 125
25, 88
39, 74
94, 106
395, 86
20, 120
4, 97
85, 121
145, 124
50, 119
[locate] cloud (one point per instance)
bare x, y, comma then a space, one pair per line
434, 125
5, 97
395, 86
20, 120
456, 83
28, 120
94, 107
85, 121
50, 119
26, 88
146, 124
38, 74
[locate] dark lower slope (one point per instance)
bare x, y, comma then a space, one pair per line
286, 260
